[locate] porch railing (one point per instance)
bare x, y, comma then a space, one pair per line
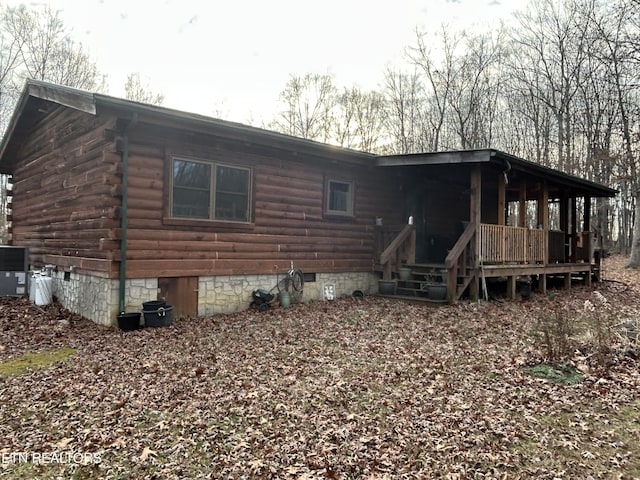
503, 244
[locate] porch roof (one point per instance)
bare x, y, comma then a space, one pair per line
578, 185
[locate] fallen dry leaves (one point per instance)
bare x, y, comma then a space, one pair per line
353, 388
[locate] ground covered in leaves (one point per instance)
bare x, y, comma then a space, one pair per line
353, 388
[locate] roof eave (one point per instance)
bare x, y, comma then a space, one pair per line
184, 119
69, 97
492, 155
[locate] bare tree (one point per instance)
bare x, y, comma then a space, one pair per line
604, 96
405, 103
138, 91
345, 122
34, 44
47, 51
623, 42
10, 55
439, 77
552, 37
308, 103
370, 118
475, 90
359, 118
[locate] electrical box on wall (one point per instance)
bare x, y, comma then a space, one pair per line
13, 271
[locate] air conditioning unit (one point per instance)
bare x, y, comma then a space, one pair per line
13, 271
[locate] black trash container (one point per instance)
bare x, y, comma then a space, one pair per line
129, 321
161, 316
153, 304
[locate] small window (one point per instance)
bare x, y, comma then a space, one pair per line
339, 198
206, 191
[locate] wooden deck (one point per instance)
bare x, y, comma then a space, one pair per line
511, 253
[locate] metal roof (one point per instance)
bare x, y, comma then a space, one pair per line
505, 160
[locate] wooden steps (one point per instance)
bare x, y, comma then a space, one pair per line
417, 300
426, 283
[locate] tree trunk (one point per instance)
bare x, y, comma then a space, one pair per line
634, 260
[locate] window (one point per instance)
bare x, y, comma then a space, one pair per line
339, 198
208, 191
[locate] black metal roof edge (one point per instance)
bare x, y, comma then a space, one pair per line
435, 158
558, 175
260, 134
491, 154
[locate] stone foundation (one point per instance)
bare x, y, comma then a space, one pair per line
96, 298
227, 294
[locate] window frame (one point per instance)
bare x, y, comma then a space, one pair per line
351, 194
173, 219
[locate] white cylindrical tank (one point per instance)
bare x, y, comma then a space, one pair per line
42, 290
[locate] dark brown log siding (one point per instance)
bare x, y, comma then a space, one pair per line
66, 206
67, 203
288, 222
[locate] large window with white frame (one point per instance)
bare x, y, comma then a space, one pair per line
339, 196
203, 190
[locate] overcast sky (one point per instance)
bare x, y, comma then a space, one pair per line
235, 56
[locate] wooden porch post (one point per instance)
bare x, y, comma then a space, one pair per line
542, 284
475, 204
543, 220
586, 227
411, 251
586, 222
475, 196
564, 225
502, 200
543, 206
522, 206
586, 236
574, 229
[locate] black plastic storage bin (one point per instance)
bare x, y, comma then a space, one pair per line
129, 321
153, 304
159, 317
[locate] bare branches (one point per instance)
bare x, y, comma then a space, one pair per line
315, 109
308, 102
138, 91
42, 49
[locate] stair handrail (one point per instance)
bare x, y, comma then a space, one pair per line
452, 262
460, 246
396, 243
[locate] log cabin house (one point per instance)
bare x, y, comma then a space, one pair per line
127, 202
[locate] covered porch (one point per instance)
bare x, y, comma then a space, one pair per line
483, 215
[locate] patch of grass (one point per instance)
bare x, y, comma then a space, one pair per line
32, 361
564, 375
